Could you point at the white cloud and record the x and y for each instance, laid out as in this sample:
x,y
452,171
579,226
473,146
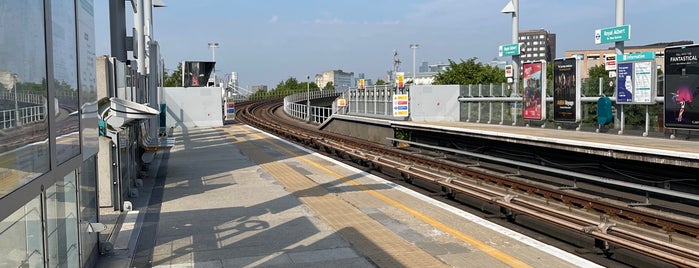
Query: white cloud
x,y
389,22
274,19
328,21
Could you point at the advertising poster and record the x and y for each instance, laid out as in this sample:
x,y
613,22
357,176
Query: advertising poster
x,y
682,87
534,99
196,73
624,81
566,90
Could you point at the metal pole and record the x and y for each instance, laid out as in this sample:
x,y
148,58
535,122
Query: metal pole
x,y
515,39
619,47
140,37
414,47
308,98
213,47
645,134
18,121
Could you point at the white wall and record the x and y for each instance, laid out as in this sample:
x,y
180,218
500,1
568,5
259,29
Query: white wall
x,y
435,103
193,106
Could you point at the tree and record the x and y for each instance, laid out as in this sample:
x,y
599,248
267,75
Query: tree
x,y
329,86
469,72
175,79
380,82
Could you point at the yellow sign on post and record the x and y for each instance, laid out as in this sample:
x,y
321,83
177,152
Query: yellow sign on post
x,y
341,102
400,79
361,84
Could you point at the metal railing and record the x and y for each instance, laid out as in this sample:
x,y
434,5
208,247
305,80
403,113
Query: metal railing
x,y
21,115
295,106
497,104
373,100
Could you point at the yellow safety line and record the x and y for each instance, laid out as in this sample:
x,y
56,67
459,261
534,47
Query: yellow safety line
x,y
496,253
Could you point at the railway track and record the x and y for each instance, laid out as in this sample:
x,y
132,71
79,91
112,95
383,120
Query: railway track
x,y
663,236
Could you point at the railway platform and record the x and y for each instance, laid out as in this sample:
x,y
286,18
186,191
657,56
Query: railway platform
x,y
237,197
677,152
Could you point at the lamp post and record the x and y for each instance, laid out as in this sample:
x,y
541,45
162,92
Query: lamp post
x,y
414,47
308,98
513,8
213,47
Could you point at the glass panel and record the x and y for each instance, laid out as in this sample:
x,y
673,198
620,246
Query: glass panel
x,y
21,239
88,209
24,148
65,68
62,223
88,79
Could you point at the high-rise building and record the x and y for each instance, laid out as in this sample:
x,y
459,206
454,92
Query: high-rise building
x,y
340,79
257,88
538,45
423,67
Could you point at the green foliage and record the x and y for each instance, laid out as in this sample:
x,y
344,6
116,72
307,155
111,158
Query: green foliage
x,y
469,72
329,86
285,88
175,79
380,82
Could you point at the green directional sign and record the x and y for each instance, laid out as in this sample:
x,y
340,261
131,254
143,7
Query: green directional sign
x,y
638,56
613,34
508,50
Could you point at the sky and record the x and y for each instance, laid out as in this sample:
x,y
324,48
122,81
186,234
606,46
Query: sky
x,y
268,41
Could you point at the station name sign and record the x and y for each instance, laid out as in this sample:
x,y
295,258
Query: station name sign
x,y
613,34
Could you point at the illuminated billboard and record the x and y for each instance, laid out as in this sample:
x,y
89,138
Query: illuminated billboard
x,y
534,95
196,73
682,87
566,90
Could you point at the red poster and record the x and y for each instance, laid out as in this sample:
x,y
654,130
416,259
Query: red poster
x,y
534,100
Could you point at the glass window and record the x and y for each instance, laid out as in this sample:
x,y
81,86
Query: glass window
x,y
24,148
88,78
542,36
62,223
21,239
65,69
88,209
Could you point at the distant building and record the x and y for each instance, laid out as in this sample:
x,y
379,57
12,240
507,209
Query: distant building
x,y
439,67
423,67
538,45
257,88
591,58
341,80
498,63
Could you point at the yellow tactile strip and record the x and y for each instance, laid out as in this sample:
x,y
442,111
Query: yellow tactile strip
x,y
374,240
484,247
383,247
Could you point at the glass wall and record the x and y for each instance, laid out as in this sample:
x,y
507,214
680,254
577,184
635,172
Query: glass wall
x,y
88,78
87,181
62,222
24,148
65,69
21,242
